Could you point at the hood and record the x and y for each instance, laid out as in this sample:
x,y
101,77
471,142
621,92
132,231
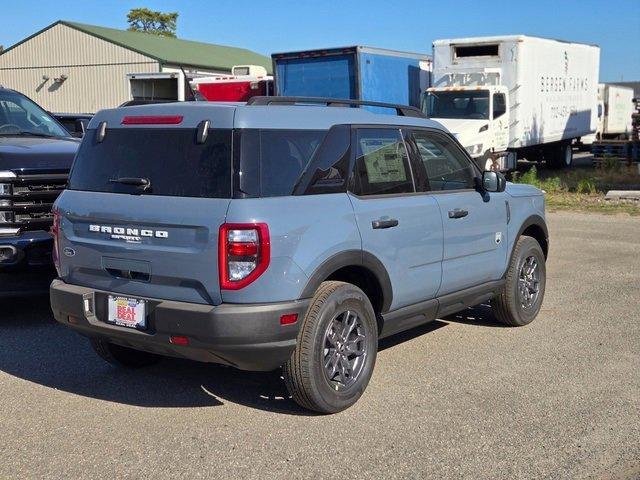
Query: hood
x,y
462,126
37,154
522,190
468,133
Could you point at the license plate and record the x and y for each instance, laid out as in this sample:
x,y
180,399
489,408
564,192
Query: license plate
x,y
127,312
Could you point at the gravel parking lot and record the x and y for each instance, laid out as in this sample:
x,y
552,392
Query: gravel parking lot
x,y
459,398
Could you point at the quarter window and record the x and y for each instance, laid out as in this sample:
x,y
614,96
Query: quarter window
x,y
445,166
382,165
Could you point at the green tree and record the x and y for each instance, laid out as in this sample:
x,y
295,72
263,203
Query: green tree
x,y
149,21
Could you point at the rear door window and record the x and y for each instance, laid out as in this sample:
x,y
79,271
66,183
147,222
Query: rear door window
x,y
170,159
382,165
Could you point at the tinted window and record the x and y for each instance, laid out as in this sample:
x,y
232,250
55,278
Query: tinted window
x,y
271,162
499,105
19,115
446,167
169,158
328,170
381,163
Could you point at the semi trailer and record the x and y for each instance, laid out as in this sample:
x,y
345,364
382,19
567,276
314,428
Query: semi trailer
x,y
507,97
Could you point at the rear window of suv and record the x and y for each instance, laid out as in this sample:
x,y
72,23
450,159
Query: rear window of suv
x,y
170,159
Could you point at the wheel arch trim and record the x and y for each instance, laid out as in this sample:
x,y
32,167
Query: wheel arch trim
x,y
350,258
532,220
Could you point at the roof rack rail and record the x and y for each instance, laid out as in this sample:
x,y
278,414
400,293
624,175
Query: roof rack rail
x,y
401,110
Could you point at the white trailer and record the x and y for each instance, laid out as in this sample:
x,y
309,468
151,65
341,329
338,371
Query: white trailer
x,y
618,109
507,97
615,110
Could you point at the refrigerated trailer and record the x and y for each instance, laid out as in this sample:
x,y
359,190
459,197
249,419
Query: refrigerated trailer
x,y
356,73
507,97
615,110
618,110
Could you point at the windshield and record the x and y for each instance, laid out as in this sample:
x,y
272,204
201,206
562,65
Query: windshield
x,y
20,116
472,104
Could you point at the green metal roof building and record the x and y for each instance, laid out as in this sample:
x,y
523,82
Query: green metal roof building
x,y
74,67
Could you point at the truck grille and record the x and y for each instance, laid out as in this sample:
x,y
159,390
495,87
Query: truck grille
x,y
27,203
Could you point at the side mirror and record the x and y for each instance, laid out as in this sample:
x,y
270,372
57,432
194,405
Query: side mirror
x,y
493,181
81,126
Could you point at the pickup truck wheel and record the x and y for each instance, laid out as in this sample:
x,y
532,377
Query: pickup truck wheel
x,y
336,349
521,297
122,356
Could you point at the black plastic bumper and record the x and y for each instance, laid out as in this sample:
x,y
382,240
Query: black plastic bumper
x,y
248,337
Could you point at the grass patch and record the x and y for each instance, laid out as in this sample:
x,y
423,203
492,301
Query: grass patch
x,y
584,189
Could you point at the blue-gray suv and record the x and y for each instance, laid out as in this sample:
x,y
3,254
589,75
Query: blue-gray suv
x,y
286,232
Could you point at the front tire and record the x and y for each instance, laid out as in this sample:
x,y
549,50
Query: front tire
x,y
521,297
336,349
122,356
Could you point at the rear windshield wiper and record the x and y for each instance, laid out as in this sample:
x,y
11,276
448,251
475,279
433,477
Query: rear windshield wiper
x,y
144,183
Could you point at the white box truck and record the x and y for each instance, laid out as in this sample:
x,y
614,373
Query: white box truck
x,y
618,107
507,97
615,110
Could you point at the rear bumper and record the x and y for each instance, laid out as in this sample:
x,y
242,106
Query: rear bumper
x,y
248,337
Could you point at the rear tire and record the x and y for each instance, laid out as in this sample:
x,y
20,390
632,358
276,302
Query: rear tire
x,y
336,349
521,297
559,156
122,356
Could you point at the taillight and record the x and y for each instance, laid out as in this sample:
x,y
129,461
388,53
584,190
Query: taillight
x,y
244,253
55,231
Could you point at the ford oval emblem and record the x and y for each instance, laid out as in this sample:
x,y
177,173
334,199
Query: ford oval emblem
x,y
69,252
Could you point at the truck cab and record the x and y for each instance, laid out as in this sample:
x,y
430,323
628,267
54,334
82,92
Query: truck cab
x,y
36,153
477,115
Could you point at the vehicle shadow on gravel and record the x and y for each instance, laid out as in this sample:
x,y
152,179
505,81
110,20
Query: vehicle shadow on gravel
x,y
35,348
480,315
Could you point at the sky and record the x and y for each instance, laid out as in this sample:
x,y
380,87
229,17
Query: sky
x,y
411,25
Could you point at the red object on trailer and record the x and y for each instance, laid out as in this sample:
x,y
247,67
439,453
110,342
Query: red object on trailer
x,y
252,81
232,91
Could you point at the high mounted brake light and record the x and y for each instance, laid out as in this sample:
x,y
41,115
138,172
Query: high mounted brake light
x,y
244,253
152,120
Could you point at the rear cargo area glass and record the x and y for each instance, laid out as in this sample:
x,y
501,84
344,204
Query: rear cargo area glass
x,y
170,159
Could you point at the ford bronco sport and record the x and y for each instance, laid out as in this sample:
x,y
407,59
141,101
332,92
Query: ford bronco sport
x,y
36,153
284,233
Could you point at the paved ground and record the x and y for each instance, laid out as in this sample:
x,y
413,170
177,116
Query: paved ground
x,y
461,398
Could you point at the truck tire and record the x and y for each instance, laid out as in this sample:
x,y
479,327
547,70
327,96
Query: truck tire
x,y
122,356
521,297
559,156
336,349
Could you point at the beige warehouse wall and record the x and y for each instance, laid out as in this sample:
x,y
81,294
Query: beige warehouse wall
x,y
96,70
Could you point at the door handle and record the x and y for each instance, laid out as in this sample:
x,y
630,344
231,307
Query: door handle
x,y
386,223
458,213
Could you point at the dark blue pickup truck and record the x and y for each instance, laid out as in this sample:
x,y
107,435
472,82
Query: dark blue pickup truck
x,y
36,153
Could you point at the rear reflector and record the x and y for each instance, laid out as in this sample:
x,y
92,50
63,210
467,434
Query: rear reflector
x,y
179,340
152,120
289,319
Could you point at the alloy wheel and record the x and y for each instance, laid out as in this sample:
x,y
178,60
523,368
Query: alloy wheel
x,y
345,349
